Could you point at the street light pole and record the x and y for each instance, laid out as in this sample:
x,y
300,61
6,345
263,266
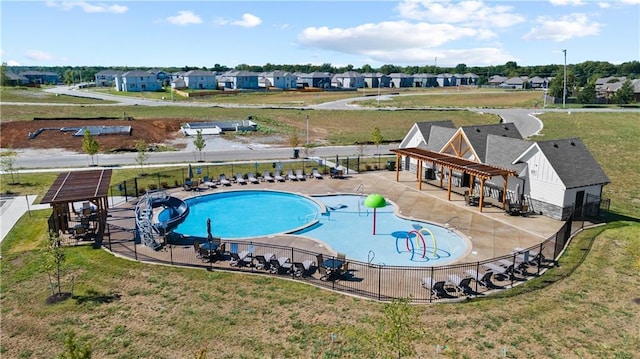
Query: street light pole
x,y
564,87
379,81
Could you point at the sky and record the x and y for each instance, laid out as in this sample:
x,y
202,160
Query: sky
x,y
348,32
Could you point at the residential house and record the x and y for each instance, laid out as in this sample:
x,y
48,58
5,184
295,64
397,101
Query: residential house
x,y
278,79
199,80
399,79
468,79
137,81
14,79
238,80
106,78
520,82
41,78
538,82
349,79
447,79
496,80
424,80
376,80
315,79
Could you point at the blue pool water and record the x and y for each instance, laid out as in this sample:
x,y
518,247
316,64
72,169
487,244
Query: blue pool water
x,y
346,226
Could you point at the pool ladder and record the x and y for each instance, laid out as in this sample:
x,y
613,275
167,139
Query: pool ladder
x,y
448,225
370,257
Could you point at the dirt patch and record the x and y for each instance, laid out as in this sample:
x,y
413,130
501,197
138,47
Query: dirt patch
x,y
153,131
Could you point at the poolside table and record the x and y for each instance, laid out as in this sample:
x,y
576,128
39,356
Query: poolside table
x,y
210,246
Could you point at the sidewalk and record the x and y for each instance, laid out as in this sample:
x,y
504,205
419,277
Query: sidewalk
x,y
12,208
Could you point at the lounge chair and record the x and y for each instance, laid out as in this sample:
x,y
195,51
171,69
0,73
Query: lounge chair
x,y
291,176
240,259
208,182
281,265
463,285
240,179
300,176
278,176
224,181
261,262
303,269
437,287
484,279
205,254
252,178
267,176
316,174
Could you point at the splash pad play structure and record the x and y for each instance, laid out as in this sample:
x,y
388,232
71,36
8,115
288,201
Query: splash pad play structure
x,y
420,248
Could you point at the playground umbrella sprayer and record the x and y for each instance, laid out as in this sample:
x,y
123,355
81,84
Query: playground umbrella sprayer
x,y
375,201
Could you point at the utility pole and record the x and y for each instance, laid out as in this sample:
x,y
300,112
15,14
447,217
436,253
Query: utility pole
x,y
564,87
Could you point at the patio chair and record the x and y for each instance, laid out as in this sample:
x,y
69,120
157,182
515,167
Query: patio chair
x,y
267,176
240,259
316,174
278,176
300,176
240,179
196,248
205,254
291,176
208,182
224,181
252,178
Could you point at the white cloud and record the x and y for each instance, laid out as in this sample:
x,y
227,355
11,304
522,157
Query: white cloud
x,y
89,7
13,63
248,20
386,36
567,2
563,28
38,55
184,17
472,56
475,13
604,5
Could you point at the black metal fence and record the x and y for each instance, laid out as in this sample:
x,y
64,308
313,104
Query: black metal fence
x,y
374,281
175,177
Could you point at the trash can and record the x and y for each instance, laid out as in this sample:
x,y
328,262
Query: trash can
x,y
429,174
296,153
391,165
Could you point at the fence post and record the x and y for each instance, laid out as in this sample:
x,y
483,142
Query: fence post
x,y
379,282
170,253
430,284
135,249
293,269
135,185
125,192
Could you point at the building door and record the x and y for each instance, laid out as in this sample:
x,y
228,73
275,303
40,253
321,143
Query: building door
x,y
579,199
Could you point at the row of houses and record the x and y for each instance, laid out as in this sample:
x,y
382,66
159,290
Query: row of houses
x,y
32,77
156,80
553,177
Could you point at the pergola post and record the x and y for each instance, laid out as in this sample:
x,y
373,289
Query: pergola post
x,y
420,175
504,191
481,204
449,184
398,158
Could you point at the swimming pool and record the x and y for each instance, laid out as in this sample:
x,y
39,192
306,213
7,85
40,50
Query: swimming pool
x,y
340,221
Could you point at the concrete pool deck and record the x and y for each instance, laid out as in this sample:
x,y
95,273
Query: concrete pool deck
x,y
492,233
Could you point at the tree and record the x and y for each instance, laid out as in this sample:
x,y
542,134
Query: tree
x,y
7,163
588,93
3,73
376,138
199,142
53,263
624,94
73,349
395,332
143,154
90,146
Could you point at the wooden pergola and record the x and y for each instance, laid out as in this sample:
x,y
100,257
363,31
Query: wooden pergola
x,y
79,186
451,163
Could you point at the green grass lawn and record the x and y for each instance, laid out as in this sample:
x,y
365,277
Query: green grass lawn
x,y
589,307
36,95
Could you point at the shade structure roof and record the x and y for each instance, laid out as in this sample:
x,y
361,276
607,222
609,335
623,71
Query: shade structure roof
x,y
456,163
78,186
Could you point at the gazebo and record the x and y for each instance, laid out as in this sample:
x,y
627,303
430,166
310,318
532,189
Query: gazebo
x,y
89,189
451,163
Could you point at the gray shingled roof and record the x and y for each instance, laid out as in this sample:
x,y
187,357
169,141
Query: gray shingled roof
x,y
439,136
477,135
573,162
502,151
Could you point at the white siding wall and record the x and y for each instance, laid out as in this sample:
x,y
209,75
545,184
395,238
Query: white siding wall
x,y
544,182
570,195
